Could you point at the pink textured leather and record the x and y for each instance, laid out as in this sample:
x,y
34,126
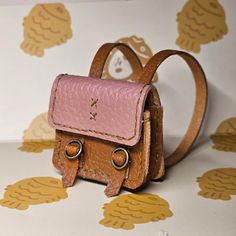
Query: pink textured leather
x,y
107,109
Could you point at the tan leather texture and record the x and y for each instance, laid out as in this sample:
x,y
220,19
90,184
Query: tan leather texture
x,y
96,162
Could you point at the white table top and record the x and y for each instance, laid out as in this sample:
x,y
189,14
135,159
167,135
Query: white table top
x,y
80,213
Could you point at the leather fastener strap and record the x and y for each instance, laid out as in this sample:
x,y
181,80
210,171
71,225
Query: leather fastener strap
x,y
72,152
120,162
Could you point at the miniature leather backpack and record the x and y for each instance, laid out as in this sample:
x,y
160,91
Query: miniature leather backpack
x,y
110,131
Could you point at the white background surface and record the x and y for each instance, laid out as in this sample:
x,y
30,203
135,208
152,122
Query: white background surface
x,y
26,81
25,84
80,213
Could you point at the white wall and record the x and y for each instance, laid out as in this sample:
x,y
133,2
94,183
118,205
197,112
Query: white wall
x,y
25,81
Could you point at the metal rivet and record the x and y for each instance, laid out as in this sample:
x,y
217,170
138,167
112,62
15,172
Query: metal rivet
x,y
126,158
80,148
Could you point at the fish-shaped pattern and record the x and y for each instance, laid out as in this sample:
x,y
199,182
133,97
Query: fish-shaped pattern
x,y
127,210
39,135
117,66
46,25
200,22
224,138
218,183
33,191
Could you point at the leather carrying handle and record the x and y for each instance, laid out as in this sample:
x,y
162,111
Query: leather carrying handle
x,y
200,99
102,54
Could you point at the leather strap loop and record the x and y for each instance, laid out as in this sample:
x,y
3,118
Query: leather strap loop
x,y
102,54
146,76
200,100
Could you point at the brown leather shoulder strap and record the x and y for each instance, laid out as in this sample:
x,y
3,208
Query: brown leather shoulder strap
x,y
102,54
200,100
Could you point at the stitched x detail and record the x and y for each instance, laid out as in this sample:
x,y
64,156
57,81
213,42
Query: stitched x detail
x,y
94,102
93,115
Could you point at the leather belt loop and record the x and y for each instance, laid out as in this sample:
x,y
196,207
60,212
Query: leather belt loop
x,y
200,100
102,54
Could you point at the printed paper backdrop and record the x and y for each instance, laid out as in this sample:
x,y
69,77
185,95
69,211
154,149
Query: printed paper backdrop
x,y
41,40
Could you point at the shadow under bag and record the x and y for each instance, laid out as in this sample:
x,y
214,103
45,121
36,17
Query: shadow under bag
x,y
110,131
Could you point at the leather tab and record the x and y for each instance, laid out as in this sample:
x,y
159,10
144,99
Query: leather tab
x,y
69,167
70,170
115,183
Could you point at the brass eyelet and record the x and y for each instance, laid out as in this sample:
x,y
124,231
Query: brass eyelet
x,y
127,157
77,153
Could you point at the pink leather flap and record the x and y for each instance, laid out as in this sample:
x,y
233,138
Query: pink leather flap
x,y
107,109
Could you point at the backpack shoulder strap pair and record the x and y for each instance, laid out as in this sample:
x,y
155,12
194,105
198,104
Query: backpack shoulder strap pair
x,y
145,75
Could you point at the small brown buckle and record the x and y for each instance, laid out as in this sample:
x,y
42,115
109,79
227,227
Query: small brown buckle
x,y
73,149
125,161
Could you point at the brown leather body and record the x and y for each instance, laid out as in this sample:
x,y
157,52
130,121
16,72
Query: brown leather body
x,y
146,158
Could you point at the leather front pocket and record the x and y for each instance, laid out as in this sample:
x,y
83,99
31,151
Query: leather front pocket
x,y
95,163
